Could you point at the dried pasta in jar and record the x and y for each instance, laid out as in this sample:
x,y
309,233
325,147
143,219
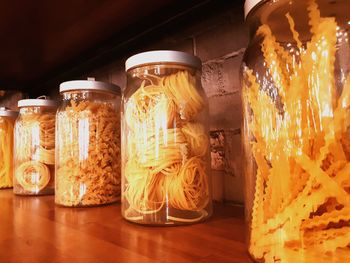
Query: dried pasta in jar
x,y
88,144
34,151
7,121
165,145
296,101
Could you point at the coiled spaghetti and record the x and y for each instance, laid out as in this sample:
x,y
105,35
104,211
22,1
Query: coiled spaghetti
x,y
35,152
165,167
33,176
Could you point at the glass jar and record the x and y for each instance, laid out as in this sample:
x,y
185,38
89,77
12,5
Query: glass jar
x,y
88,144
296,98
165,140
34,151
7,121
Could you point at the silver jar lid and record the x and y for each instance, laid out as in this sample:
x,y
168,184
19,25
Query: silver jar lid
x,y
42,101
90,84
249,5
162,56
6,112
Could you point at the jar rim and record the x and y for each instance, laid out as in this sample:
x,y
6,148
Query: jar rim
x,y
249,5
89,85
6,112
162,56
36,103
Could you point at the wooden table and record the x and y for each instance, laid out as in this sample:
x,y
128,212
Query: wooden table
x,y
33,229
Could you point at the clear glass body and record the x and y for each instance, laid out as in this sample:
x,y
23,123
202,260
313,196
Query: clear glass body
x,y
296,98
165,147
34,151
88,149
6,151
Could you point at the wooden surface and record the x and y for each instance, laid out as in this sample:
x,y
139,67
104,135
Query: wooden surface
x,y
33,229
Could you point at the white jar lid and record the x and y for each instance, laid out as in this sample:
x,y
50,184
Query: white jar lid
x,y
162,56
5,112
37,103
89,84
249,5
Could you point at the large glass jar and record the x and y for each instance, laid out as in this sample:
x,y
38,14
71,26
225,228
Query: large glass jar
x,y
88,144
34,151
7,121
296,98
165,143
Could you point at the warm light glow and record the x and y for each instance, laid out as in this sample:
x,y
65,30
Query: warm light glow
x,y
83,137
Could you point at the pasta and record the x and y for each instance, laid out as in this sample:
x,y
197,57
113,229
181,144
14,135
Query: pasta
x,y
301,202
35,152
88,154
6,152
33,176
165,168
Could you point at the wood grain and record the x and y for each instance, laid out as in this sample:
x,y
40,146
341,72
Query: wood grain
x,y
33,229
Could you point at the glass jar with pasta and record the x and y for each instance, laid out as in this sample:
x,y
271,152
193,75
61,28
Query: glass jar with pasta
x,y
34,151
7,121
165,143
296,102
88,144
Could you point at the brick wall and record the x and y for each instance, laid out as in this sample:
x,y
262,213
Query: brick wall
x,y
219,40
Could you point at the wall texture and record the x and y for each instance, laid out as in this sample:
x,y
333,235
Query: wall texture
x,y
219,40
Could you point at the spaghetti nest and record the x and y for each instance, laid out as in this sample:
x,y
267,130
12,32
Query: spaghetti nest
x,y
6,152
35,151
300,209
33,176
88,154
167,150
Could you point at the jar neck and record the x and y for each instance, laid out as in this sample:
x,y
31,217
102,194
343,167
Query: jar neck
x,y
273,14
88,95
31,110
148,71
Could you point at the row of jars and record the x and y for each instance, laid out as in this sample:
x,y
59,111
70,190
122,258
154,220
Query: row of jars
x,y
156,160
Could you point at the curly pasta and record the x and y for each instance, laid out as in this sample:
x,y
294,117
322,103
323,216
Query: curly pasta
x,y
165,166
88,154
305,213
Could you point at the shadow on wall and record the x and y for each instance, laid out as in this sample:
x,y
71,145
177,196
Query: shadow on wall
x,y
9,98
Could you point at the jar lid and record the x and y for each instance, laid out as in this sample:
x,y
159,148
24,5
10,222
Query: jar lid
x,y
6,112
41,101
89,84
249,5
162,56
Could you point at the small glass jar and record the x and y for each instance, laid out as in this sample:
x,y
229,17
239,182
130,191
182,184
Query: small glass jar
x,y
34,151
296,100
7,121
88,144
165,141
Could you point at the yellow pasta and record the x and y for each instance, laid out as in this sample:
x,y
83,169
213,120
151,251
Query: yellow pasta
x,y
181,89
300,145
32,176
166,150
197,138
35,152
6,152
188,190
88,154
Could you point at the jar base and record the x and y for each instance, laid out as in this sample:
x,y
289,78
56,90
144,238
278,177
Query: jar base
x,y
167,220
115,201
